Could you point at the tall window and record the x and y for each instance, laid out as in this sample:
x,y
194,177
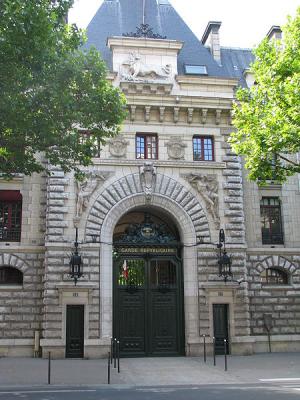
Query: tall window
x,y
10,215
146,146
10,276
274,276
203,148
271,224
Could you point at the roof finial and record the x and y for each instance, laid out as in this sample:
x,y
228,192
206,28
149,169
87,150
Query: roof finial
x,y
144,11
144,30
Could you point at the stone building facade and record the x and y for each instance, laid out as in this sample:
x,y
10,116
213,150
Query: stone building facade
x,y
149,214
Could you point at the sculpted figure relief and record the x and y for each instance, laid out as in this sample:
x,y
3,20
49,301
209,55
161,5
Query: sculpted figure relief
x,y
86,188
136,68
207,187
118,146
148,179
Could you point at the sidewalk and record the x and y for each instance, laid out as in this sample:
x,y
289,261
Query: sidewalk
x,y
151,371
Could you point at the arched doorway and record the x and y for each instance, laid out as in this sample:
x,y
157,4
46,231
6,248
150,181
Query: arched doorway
x,y
148,285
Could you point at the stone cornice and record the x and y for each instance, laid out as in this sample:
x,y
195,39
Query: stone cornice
x,y
267,251
168,163
111,76
143,99
146,43
17,178
13,248
146,87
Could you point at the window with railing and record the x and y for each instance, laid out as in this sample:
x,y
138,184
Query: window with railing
x,y
274,276
146,146
271,223
10,215
203,148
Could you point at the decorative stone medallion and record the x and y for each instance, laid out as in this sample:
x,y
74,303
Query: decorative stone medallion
x,y
118,146
175,148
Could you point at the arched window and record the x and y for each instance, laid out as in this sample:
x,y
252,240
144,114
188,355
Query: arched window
x,y
10,276
274,276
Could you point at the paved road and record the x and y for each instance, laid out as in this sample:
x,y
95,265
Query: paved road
x,y
275,390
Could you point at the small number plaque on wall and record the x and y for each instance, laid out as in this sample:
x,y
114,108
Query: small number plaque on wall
x,y
75,294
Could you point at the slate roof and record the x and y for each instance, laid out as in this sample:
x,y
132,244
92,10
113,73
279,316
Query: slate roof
x,y
115,17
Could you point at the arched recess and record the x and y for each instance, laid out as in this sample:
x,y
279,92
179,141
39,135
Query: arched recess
x,y
275,262
190,220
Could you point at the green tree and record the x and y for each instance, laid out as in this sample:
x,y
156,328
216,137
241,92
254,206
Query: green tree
x,y
267,116
49,88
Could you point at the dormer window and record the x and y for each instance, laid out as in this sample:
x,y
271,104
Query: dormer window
x,y
195,69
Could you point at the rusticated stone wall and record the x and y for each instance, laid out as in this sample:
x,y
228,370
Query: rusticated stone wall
x,y
21,305
281,301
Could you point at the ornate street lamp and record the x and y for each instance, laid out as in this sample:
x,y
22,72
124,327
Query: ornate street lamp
x,y
75,262
224,260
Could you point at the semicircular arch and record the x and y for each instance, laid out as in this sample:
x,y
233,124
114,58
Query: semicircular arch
x,y
11,260
275,262
167,192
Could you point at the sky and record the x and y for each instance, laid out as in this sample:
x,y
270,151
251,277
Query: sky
x,y
244,23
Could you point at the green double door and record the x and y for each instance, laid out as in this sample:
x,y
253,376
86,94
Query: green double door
x,y
148,306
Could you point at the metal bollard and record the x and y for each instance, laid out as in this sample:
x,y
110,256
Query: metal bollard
x,y
49,368
225,354
118,355
111,349
214,350
204,348
115,353
108,368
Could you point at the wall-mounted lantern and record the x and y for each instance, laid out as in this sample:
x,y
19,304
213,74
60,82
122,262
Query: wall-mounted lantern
x,y
76,262
224,260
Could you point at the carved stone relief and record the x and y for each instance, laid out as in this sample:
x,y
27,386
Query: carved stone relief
x,y
176,114
204,115
134,69
118,146
218,116
85,189
207,187
190,115
175,148
148,179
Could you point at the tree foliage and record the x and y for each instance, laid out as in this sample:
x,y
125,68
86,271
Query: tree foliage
x,y
267,116
49,88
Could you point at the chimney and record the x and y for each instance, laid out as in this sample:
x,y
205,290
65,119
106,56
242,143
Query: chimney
x,y
212,39
275,33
